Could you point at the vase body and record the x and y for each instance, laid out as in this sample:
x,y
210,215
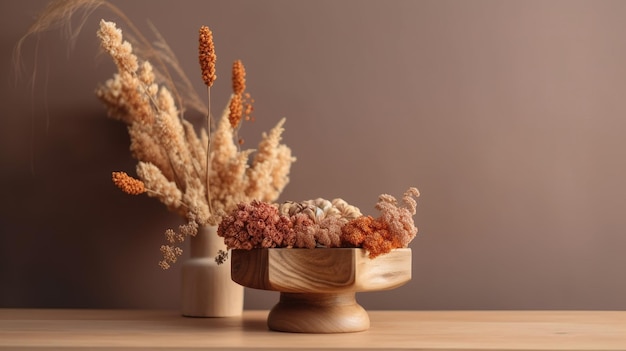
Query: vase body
x,y
207,288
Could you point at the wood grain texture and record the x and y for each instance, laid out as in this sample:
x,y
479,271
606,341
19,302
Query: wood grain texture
x,y
318,313
317,286
320,270
107,330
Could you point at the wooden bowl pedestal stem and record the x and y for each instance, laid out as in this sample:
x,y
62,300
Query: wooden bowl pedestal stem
x,y
318,313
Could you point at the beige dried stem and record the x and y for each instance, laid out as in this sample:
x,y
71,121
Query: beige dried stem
x,y
175,164
59,14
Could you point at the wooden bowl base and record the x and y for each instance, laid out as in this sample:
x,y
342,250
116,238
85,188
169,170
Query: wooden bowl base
x,y
318,313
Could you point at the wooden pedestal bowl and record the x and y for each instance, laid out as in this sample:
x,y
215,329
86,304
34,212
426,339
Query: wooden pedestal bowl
x,y
317,286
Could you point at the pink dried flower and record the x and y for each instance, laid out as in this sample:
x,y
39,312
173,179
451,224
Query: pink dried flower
x,y
304,238
255,225
399,219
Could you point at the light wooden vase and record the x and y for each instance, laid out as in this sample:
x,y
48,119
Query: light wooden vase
x,y
207,288
317,286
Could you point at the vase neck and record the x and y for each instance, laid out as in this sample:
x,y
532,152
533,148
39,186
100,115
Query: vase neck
x,y
206,243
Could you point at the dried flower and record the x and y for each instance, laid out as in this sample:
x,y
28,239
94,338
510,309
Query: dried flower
x,y
159,136
175,164
393,229
239,77
159,186
262,225
171,251
128,184
221,257
399,219
322,223
240,103
235,108
206,55
170,255
121,51
370,234
256,224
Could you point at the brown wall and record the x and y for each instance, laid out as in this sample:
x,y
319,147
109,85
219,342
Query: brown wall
x,y
507,115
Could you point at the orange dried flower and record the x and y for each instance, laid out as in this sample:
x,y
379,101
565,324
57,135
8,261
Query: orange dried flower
x,y
239,77
128,184
206,55
369,233
236,111
241,104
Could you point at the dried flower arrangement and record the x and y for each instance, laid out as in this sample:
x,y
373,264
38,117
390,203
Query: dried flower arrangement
x,y
321,223
206,177
201,177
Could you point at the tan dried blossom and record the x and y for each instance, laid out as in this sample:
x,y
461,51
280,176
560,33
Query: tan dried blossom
x,y
204,174
160,187
128,184
170,255
206,55
346,210
171,252
145,147
195,198
171,236
318,222
121,51
320,209
196,147
270,166
171,138
128,98
146,76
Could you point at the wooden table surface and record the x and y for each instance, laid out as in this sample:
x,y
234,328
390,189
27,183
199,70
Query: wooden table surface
x,y
33,329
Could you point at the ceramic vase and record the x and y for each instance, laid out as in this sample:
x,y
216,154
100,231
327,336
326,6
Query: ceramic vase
x,y
207,288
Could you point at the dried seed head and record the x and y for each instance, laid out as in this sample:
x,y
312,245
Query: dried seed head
x,y
236,110
239,77
128,184
206,55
